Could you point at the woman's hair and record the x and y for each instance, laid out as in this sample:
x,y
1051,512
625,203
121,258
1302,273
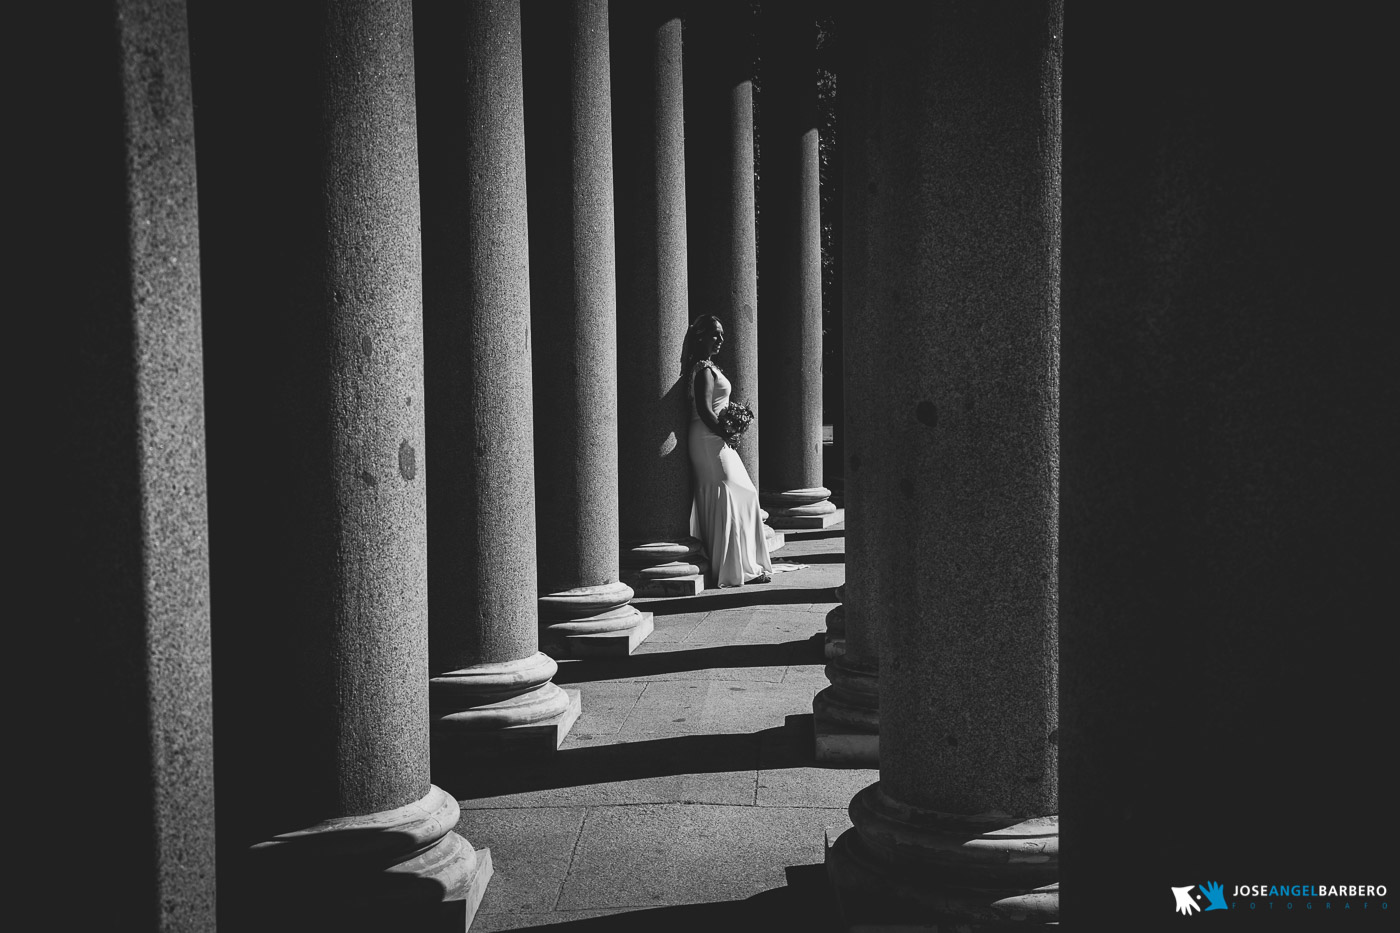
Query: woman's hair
x,y
703,325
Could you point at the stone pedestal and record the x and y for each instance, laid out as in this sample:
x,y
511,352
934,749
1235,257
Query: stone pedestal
x,y
802,508
128,587
911,870
502,707
963,264
583,608
594,620
318,499
666,568
337,854
488,673
659,555
791,339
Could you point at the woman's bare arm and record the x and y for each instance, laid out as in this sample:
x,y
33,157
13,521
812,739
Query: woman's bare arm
x,y
705,399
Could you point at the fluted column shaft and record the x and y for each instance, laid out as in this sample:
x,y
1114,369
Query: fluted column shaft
x,y
488,672
791,339
584,607
649,196
963,265
314,312
135,566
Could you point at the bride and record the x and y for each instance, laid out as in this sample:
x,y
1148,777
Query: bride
x,y
725,516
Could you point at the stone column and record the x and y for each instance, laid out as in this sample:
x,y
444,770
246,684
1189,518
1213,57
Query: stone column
x,y
791,338
584,608
491,685
723,260
1227,482
963,267
317,487
134,596
847,714
659,555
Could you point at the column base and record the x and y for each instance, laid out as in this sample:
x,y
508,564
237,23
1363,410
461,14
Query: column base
x,y
692,585
802,508
401,869
517,741
906,870
835,644
608,644
845,746
461,913
846,717
794,522
592,621
665,568
506,707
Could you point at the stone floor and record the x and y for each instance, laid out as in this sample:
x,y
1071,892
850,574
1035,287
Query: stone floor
x,y
686,795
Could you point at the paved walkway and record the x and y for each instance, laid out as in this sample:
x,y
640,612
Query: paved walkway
x,y
686,796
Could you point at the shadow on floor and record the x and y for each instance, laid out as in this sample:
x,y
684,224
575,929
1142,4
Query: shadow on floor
x,y
586,670
739,598
786,746
805,903
603,764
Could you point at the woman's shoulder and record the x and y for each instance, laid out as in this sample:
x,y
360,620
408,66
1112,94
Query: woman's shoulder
x,y
702,366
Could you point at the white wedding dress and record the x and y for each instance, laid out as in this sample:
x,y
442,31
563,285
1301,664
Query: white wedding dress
x,y
724,515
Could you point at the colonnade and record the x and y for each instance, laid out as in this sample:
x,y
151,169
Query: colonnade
x,y
305,310
447,258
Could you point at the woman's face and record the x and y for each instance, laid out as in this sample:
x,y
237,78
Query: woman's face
x,y
712,341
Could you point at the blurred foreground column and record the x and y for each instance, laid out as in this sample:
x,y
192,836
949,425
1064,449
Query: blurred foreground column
x,y
584,608
135,558
1227,486
964,272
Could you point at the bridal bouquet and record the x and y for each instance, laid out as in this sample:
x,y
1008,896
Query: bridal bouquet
x,y
735,419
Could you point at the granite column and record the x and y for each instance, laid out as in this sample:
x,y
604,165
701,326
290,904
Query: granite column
x,y
791,274
1227,485
318,502
847,714
722,237
659,554
584,608
133,556
492,687
963,265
